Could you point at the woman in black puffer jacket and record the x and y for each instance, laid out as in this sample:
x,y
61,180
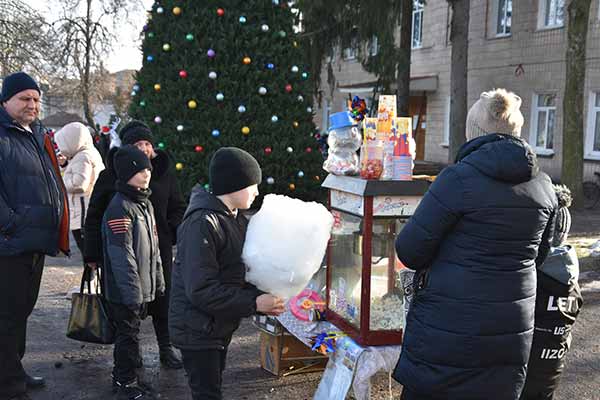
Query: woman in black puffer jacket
x,y
475,241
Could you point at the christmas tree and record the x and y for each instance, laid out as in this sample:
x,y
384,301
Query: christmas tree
x,y
230,73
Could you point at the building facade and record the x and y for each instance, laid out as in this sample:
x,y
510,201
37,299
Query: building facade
x,y
518,45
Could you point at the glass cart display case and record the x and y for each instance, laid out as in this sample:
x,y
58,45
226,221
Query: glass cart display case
x,y
364,292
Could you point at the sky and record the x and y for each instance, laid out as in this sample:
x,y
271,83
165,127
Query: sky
x,y
126,53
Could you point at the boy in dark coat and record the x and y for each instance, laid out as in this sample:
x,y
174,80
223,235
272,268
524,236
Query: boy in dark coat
x,y
169,207
557,305
209,296
133,274
475,240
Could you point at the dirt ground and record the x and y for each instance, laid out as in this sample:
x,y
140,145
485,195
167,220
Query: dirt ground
x,y
77,371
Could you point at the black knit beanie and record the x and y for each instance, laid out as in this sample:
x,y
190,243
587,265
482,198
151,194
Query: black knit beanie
x,y
135,131
232,169
16,83
128,161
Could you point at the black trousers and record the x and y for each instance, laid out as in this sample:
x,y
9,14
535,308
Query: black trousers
x,y
127,343
205,371
20,278
159,308
78,235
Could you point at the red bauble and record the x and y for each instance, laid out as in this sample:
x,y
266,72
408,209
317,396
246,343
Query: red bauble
x,y
198,149
288,88
105,129
309,149
268,150
220,12
183,73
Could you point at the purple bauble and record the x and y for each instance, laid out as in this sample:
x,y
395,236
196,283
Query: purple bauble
x,y
210,53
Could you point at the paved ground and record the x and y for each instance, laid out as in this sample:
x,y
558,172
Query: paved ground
x,y
75,371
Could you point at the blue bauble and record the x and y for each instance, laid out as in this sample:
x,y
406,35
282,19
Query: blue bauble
x,y
150,58
216,132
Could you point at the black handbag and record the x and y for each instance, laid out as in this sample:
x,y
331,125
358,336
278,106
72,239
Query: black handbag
x,y
89,320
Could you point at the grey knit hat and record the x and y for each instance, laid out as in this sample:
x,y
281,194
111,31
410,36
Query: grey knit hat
x,y
562,220
496,111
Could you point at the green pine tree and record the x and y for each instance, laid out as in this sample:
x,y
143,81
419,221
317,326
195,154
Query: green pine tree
x,y
230,73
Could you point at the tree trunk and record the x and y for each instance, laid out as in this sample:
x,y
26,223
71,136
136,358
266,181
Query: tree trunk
x,y
85,81
578,14
459,37
404,53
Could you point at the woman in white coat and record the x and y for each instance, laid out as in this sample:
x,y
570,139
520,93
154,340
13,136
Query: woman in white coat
x,y
83,166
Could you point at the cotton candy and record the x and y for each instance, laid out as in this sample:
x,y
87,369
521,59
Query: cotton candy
x,y
285,244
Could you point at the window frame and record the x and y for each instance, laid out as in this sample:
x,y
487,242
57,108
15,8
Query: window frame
x,y
592,120
418,8
543,9
496,20
535,110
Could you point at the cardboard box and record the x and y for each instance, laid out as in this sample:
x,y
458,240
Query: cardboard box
x,y
386,113
267,324
284,355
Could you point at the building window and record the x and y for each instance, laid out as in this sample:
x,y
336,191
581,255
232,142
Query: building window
x,y
446,137
592,142
373,46
351,52
503,17
552,13
417,24
543,122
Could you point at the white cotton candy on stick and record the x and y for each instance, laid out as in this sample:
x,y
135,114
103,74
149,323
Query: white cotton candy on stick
x,y
285,244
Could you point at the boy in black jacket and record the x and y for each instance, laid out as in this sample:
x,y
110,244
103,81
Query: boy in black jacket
x,y
133,274
209,295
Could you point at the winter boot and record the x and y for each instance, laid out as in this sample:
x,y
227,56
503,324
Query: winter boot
x,y
169,358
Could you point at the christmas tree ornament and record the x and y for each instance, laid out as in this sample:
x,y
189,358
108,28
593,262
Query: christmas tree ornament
x,y
305,75
145,28
295,69
220,97
247,60
157,120
215,133
166,47
276,2
176,10
160,10
241,109
211,53
179,128
133,93
245,130
271,66
192,104
198,149
289,150
288,88
309,149
179,166
268,150
149,58
300,98
206,186
317,178
157,87
296,124
270,180
142,103
212,75
136,87
274,118
300,174
183,74
242,20
161,145
264,28
150,35
308,109
220,12
282,34
262,90
292,187
189,37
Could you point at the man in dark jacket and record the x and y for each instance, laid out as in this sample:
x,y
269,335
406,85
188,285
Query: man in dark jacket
x,y
209,296
475,241
132,266
169,207
34,221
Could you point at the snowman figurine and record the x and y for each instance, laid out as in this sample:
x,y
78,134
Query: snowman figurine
x,y
344,140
